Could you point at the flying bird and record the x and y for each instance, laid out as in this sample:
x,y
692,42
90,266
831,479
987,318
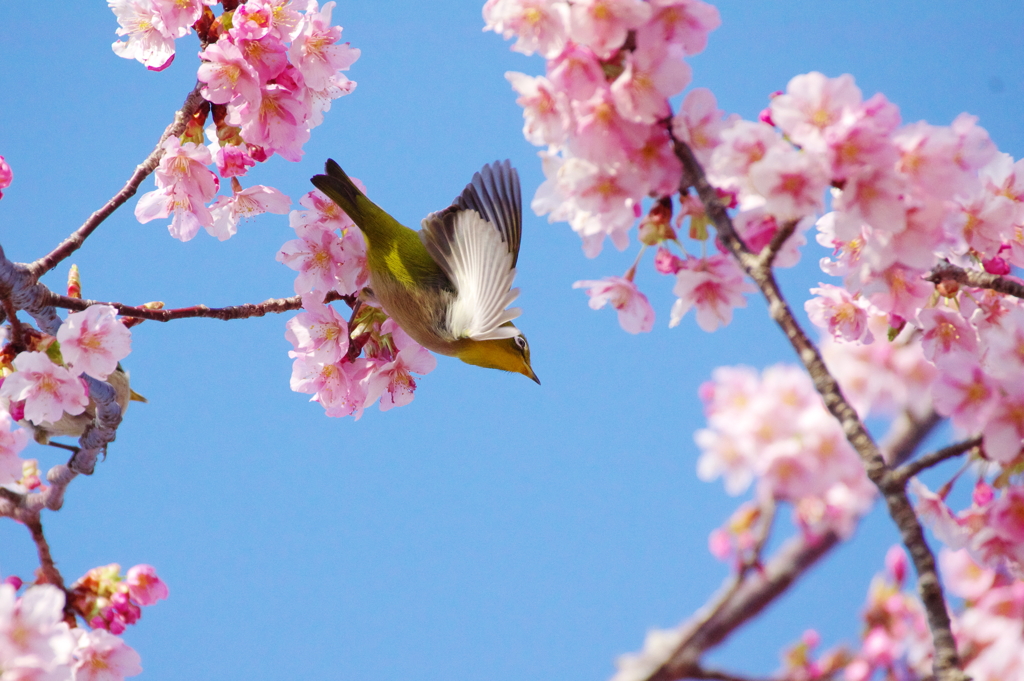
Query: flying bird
x,y
449,286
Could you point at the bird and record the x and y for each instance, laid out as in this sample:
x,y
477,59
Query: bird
x,y
74,425
448,285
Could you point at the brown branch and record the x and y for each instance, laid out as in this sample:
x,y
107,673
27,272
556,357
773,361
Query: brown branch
x,y
48,572
947,661
40,267
902,474
949,272
741,600
245,311
17,337
717,675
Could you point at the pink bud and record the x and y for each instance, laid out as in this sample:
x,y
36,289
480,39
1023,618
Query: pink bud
x,y
896,563
766,116
17,410
811,638
14,581
719,544
983,494
996,265
667,262
6,175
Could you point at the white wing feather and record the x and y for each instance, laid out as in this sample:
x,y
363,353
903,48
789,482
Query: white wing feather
x,y
480,266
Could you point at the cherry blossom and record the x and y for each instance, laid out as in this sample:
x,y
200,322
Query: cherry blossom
x,y
545,110
228,74
6,176
314,51
104,657
714,286
392,381
539,25
48,390
94,341
150,41
635,313
144,586
11,444
602,25
244,203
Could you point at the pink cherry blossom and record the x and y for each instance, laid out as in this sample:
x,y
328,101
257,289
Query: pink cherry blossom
x,y
649,78
842,314
963,576
539,25
314,51
792,182
714,285
284,19
233,161
545,109
11,443
965,393
699,123
577,72
184,167
94,341
189,212
320,331
743,144
1004,430
48,390
657,167
144,586
602,135
6,176
602,25
268,54
316,255
757,228
227,74
149,40
322,211
635,312
897,289
985,221
812,103
279,122
392,382
874,196
34,640
244,204
682,22
104,657
945,331
933,511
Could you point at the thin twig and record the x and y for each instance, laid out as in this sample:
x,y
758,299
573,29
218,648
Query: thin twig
x,y
40,267
717,675
245,311
48,571
949,272
909,470
947,660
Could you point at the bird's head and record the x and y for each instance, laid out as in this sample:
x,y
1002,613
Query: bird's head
x,y
507,354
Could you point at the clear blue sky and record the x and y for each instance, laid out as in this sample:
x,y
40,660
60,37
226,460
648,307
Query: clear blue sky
x,y
493,529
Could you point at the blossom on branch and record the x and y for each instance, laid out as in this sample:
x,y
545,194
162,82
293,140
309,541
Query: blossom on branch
x,y
94,341
48,391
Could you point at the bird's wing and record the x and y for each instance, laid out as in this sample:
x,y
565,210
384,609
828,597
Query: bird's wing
x,y
476,242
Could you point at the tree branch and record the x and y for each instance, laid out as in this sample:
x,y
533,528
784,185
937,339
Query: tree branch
x,y
949,272
48,572
947,661
739,600
245,311
40,267
904,473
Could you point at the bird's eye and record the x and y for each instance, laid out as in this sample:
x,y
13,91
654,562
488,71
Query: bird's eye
x,y
520,342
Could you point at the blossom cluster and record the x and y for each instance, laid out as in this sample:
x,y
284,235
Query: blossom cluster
x,y
43,385
773,427
345,365
37,641
989,628
270,69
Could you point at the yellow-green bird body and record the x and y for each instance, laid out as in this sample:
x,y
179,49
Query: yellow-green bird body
x,y
448,285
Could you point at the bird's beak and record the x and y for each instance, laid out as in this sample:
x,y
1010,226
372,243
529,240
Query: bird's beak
x,y
529,374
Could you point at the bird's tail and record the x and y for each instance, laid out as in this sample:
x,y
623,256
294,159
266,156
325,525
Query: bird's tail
x,y
340,188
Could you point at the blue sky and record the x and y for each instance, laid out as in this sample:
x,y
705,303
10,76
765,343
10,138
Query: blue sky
x,y
493,528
